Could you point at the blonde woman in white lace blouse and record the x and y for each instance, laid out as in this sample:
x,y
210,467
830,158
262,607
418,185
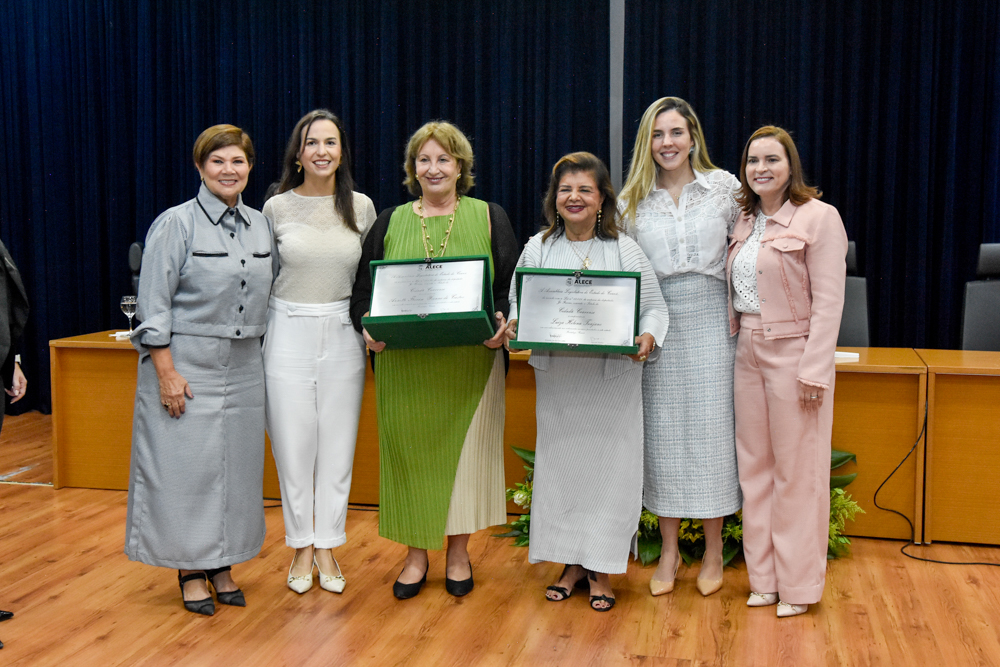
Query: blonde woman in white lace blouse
x,y
680,208
314,360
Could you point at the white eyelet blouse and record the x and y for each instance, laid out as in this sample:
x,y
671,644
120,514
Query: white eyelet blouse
x,y
745,296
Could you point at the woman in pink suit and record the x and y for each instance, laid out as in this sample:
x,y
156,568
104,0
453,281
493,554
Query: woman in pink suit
x,y
786,272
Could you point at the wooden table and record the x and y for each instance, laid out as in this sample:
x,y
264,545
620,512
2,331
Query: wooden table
x,y
93,396
93,390
93,393
878,412
878,409
963,446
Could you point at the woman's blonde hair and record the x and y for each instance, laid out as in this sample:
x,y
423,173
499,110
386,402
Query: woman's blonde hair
x,y
453,141
642,172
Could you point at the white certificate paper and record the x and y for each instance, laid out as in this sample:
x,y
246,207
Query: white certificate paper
x,y
571,310
428,287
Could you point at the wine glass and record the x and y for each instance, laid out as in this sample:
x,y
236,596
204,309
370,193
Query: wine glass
x,y
128,307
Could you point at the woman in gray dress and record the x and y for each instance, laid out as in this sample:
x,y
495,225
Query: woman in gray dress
x,y
197,467
587,492
679,207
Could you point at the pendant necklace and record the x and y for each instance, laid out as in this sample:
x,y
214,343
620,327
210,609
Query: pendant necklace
x,y
585,259
428,245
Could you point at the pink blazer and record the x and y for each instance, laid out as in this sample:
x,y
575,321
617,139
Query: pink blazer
x,y
801,272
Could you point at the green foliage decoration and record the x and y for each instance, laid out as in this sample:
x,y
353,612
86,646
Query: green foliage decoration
x,y
691,536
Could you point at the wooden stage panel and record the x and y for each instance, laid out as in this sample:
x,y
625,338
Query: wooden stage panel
x,y
878,408
875,418
93,390
519,422
878,414
963,447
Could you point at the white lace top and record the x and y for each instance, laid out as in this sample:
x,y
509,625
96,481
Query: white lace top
x,y
745,296
318,254
689,237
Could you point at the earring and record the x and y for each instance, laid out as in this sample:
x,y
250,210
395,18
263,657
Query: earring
x,y
299,170
599,216
691,152
559,220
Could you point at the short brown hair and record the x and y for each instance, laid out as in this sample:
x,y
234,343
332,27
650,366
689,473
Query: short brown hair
x,y
591,164
797,191
220,136
453,141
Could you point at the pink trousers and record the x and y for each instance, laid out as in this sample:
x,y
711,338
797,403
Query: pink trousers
x,y
784,465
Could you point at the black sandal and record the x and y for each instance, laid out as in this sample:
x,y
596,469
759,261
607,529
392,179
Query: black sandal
x,y
565,593
232,598
600,598
204,607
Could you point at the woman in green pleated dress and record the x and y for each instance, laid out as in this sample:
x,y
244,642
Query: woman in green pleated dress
x,y
440,410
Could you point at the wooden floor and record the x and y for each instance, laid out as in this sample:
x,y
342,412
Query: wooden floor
x,y
79,601
26,449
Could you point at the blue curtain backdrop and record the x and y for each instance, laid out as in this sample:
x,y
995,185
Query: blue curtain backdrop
x,y
895,108
102,100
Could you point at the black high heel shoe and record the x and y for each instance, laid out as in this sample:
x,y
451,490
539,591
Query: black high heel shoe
x,y
204,607
564,593
406,591
594,599
459,588
232,598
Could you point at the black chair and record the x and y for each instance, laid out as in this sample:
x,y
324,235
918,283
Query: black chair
x,y
981,308
135,264
854,322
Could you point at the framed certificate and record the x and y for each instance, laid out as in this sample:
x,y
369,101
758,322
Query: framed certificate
x,y
585,311
440,302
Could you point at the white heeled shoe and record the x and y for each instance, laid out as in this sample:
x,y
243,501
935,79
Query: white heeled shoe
x,y
785,610
329,583
299,583
761,599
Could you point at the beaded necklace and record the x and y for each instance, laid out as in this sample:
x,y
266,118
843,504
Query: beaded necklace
x,y
428,246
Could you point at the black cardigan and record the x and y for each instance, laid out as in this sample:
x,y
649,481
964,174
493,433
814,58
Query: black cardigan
x,y
503,245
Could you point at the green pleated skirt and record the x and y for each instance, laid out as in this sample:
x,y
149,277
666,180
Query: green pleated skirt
x,y
440,411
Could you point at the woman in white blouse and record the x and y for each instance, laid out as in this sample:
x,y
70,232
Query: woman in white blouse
x,y
314,360
680,208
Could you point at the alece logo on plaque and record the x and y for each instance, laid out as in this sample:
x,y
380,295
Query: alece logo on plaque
x,y
428,287
577,310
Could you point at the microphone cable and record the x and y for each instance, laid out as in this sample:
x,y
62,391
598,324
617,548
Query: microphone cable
x,y
920,436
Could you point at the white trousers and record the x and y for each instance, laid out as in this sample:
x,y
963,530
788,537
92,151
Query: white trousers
x,y
314,370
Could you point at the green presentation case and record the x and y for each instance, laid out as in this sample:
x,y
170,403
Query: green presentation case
x,y
400,332
519,344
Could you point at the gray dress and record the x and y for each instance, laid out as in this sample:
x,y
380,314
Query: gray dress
x,y
587,492
690,469
195,483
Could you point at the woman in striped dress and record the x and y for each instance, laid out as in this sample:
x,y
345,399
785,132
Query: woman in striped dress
x,y
440,410
679,207
587,492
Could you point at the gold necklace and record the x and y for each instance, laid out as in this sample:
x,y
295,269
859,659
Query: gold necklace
x,y
584,259
428,246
